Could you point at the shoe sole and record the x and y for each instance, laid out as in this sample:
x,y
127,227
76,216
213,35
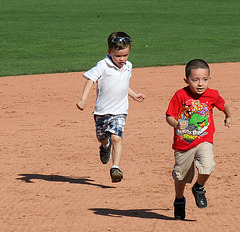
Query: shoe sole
x,y
178,218
116,176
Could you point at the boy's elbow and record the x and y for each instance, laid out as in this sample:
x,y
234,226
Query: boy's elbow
x,y
167,115
167,118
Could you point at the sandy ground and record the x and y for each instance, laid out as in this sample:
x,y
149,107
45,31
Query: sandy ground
x,y
52,178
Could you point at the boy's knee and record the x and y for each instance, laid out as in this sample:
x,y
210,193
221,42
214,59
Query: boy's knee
x,y
177,174
180,176
115,138
102,137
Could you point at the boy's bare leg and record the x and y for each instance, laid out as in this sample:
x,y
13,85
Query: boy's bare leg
x,y
115,173
117,149
179,189
202,178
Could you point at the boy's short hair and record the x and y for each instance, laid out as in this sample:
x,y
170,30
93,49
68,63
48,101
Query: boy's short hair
x,y
195,64
119,43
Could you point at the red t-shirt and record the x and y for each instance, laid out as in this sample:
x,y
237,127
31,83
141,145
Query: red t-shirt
x,y
196,110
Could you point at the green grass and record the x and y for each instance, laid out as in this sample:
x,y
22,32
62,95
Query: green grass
x,y
50,36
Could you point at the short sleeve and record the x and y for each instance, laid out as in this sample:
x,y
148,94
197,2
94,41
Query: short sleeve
x,y
174,106
96,72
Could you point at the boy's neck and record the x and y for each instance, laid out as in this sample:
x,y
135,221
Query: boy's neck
x,y
121,68
196,95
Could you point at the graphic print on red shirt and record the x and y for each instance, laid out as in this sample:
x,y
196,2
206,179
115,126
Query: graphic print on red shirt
x,y
196,114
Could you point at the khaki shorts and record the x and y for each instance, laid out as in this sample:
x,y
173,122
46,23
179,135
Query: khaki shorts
x,y
202,156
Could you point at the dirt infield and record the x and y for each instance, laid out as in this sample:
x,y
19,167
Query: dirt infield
x,y
52,178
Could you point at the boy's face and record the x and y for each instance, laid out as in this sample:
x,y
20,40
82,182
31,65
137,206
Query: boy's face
x,y
198,80
119,57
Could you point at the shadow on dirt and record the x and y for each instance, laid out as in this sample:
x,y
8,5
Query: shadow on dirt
x,y
84,180
138,213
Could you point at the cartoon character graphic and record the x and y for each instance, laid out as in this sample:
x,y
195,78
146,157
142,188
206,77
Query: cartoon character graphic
x,y
197,122
196,114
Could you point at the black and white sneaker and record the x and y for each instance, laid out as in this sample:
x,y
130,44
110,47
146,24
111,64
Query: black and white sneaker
x,y
200,198
105,153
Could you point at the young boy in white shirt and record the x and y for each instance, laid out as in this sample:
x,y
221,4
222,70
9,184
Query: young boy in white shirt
x,y
112,75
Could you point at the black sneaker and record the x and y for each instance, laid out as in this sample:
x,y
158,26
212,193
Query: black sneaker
x,y
116,174
179,209
105,154
200,198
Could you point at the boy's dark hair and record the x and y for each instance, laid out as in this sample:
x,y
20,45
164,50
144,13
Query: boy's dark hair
x,y
119,45
195,64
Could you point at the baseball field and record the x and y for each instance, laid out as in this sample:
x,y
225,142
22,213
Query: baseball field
x,y
52,179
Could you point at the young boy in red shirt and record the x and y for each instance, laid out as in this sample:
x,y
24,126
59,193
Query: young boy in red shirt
x,y
190,113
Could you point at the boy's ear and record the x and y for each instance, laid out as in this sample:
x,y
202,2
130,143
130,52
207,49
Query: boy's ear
x,y
186,80
108,51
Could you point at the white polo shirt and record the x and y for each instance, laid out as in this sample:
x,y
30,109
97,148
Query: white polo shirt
x,y
112,86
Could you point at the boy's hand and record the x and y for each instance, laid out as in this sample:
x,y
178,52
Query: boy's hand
x,y
181,125
81,105
228,121
139,97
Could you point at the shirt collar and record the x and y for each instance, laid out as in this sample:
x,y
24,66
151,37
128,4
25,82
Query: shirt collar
x,y
109,61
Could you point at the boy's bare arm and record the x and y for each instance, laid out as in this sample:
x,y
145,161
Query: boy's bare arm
x,y
228,118
181,125
136,96
83,101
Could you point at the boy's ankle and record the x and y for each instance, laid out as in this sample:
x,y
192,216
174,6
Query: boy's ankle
x,y
180,200
197,186
115,166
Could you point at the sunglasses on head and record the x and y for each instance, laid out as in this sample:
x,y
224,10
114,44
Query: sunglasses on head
x,y
120,39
